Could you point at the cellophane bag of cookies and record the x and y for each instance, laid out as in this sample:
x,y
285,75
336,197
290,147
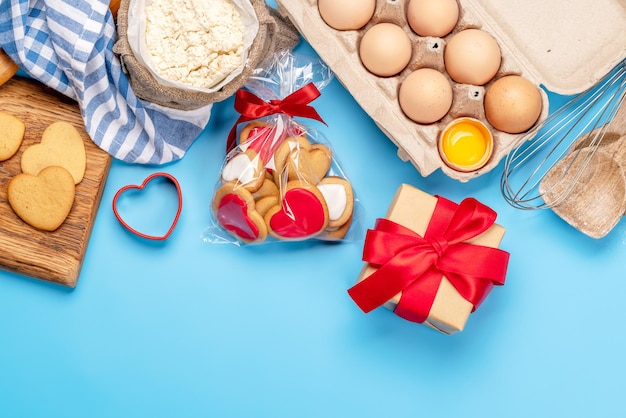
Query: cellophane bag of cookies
x,y
281,180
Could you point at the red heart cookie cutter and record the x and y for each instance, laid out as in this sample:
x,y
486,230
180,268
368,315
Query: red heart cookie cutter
x,y
140,187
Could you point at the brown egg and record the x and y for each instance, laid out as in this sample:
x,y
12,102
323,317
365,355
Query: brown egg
x,y
432,17
472,56
346,14
425,96
385,49
512,104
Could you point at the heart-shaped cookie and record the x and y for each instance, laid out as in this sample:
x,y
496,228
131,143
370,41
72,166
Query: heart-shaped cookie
x,y
235,211
268,188
336,234
142,186
298,159
264,204
244,169
338,194
261,137
302,212
265,138
43,200
11,135
61,145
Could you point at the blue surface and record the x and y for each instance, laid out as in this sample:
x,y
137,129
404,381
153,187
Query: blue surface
x,y
184,328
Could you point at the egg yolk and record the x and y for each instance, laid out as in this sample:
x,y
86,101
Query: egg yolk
x,y
466,145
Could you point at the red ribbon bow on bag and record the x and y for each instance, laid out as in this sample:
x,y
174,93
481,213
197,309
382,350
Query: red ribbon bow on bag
x,y
252,107
415,265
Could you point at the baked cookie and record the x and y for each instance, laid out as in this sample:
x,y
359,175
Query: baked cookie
x,y
264,204
244,169
235,210
337,192
297,159
282,154
61,145
12,132
268,188
300,213
252,131
44,200
265,138
262,138
336,234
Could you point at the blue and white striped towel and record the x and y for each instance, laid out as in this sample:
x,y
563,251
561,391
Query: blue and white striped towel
x,y
67,45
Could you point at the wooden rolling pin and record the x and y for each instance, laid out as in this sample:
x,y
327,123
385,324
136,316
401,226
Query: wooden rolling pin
x,y
8,68
114,5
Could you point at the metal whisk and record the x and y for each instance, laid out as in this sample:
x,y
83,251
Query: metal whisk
x,y
581,123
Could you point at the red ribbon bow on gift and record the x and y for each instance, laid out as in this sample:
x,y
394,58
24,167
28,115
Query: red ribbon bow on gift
x,y
415,265
252,107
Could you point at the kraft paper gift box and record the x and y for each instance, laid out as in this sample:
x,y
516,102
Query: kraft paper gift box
x,y
414,210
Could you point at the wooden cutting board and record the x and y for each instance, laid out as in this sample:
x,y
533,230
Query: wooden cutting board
x,y
52,256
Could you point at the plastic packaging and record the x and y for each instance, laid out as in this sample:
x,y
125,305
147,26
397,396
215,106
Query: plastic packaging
x,y
280,179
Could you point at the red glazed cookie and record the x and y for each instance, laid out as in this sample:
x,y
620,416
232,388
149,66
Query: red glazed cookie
x,y
253,130
262,138
244,169
298,159
235,210
301,213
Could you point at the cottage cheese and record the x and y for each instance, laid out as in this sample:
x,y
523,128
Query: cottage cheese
x,y
194,42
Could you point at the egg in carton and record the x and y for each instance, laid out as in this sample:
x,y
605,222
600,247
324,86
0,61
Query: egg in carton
x,y
420,141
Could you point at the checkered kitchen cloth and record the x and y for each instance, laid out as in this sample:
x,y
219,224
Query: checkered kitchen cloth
x,y
67,45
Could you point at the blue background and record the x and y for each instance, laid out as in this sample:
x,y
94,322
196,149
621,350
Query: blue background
x,y
185,328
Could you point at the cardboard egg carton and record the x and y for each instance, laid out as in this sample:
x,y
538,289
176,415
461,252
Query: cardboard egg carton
x,y
566,49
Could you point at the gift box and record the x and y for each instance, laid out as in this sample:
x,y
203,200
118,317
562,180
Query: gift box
x,y
430,260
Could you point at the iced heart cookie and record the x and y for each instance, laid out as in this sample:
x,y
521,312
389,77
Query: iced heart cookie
x,y
244,169
265,138
298,159
234,209
43,200
338,195
61,145
301,213
258,136
254,130
263,131
11,135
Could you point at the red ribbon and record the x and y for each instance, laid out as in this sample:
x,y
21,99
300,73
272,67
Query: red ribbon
x,y
252,107
415,265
